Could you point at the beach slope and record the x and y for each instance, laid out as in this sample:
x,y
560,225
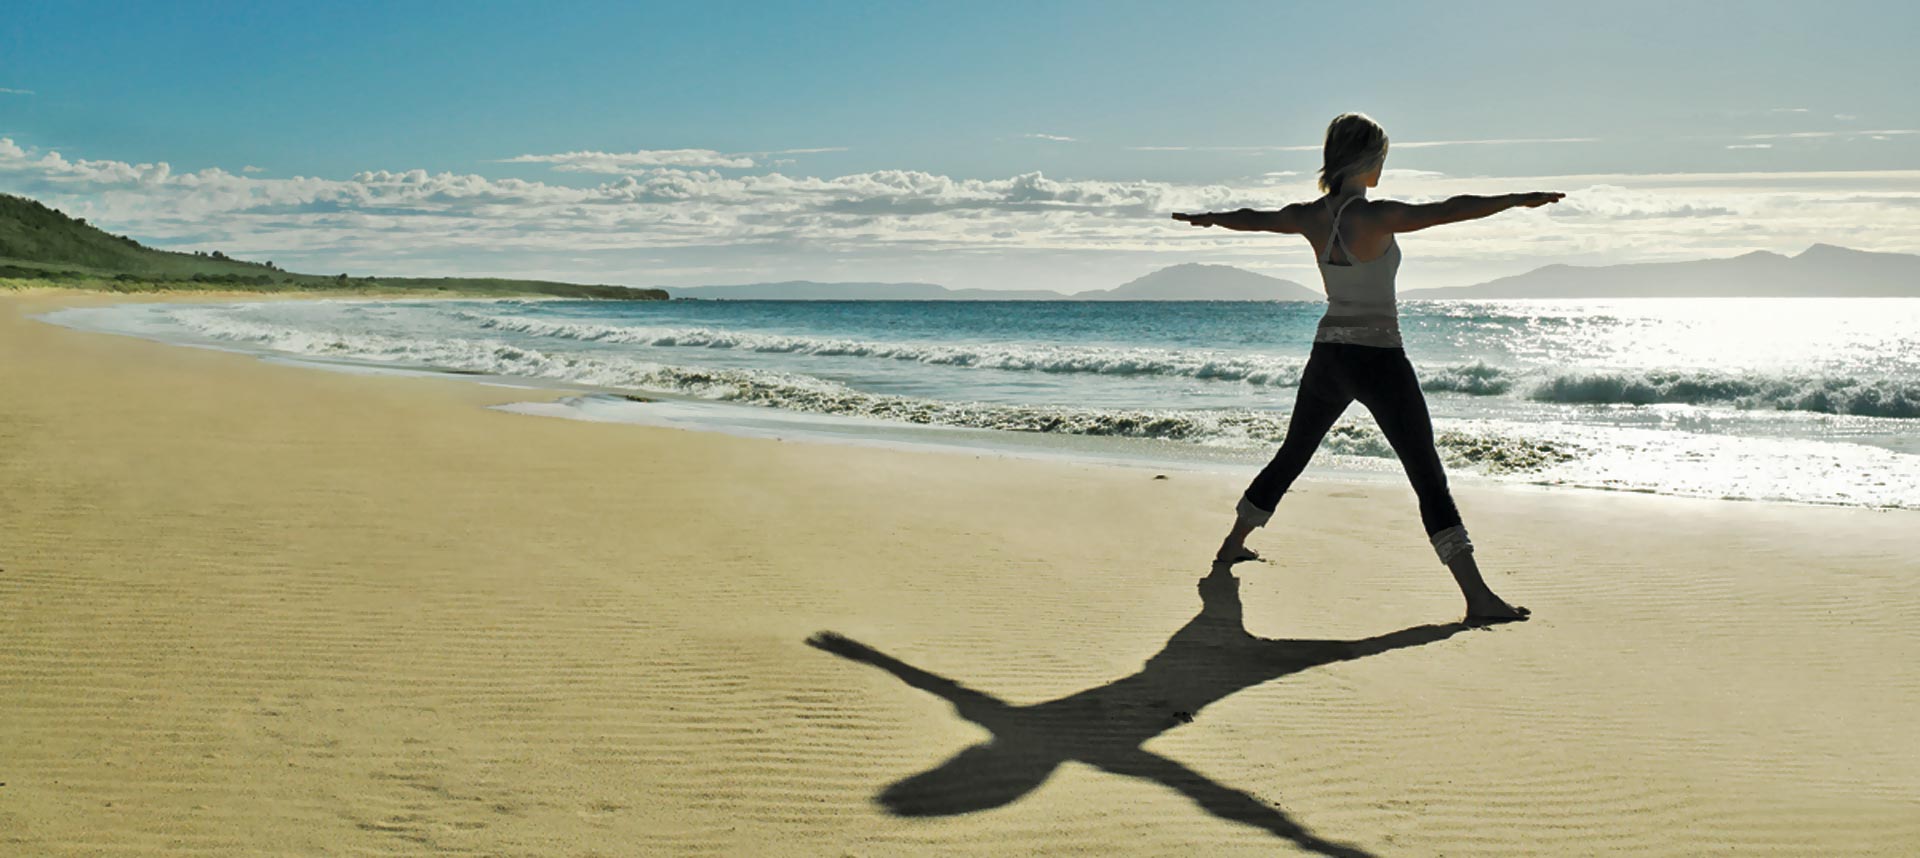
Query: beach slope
x,y
256,609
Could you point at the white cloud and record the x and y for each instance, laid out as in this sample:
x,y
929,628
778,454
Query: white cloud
x,y
1514,141
252,169
1414,144
1620,203
625,162
761,224
1750,146
1611,218
52,167
1810,135
7,91
1051,137
1788,110
640,161
1241,149
1845,117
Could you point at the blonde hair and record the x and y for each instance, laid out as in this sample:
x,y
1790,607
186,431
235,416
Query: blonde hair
x,y
1355,143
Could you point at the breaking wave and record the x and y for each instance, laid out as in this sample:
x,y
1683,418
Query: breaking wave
x,y
1476,379
796,392
1831,395
1254,369
1867,397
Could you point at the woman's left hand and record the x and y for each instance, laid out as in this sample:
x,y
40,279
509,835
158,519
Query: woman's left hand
x,y
1195,219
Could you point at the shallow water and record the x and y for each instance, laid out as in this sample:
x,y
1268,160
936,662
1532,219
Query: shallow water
x,y
1814,400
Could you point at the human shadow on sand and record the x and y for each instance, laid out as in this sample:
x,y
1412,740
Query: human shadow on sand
x,y
1207,659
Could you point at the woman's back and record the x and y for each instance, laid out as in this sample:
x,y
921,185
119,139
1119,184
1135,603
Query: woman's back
x,y
1360,238
1357,267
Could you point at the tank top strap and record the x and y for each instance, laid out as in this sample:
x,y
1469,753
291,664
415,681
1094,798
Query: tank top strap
x,y
1334,235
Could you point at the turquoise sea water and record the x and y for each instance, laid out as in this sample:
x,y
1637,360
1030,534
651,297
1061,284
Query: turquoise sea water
x,y
1814,400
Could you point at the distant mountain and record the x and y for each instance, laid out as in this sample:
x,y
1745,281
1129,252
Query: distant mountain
x,y
808,290
1820,271
1190,282
1196,282
43,243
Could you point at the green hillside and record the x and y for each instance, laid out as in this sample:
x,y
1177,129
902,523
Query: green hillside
x,y
39,243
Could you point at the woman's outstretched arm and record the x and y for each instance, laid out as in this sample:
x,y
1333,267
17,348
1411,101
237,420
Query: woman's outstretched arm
x,y
1248,220
1408,217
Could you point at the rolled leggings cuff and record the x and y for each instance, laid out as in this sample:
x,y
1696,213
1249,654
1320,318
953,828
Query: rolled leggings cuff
x,y
1252,515
1452,543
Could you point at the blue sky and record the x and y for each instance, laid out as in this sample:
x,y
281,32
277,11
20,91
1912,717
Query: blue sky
x,y
920,120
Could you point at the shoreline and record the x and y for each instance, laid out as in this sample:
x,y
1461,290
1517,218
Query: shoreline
x,y
589,403
255,608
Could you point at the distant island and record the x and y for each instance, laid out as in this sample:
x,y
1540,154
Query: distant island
x,y
42,245
1820,271
1187,282
808,290
1196,282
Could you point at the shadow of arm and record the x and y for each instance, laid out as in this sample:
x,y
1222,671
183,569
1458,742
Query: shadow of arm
x,y
1414,636
972,705
1284,656
1227,803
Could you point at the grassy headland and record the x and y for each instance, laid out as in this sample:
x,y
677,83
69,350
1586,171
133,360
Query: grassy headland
x,y
42,247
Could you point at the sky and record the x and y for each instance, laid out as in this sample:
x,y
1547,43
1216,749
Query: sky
x,y
977,144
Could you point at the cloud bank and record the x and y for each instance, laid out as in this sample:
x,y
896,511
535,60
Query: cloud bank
x,y
1411,144
679,216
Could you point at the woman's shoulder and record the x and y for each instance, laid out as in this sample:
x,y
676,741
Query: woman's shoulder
x,y
1317,206
1349,205
1368,208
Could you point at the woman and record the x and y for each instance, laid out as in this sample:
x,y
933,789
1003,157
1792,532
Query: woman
x,y
1357,352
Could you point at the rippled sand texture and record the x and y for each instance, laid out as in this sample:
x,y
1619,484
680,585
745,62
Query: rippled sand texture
x,y
253,609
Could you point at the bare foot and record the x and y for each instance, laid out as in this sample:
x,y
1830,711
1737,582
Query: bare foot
x,y
1495,610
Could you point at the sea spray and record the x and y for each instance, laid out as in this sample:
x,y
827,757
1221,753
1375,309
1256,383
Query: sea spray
x,y
1241,428
1871,397
1810,401
1259,370
1875,397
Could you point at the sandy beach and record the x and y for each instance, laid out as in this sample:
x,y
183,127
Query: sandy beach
x,y
253,609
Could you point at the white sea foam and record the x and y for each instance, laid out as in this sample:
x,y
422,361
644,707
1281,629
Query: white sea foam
x,y
1832,436
1826,394
1842,394
1254,369
798,392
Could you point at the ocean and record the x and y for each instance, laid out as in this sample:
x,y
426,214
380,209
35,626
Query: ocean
x,y
1786,399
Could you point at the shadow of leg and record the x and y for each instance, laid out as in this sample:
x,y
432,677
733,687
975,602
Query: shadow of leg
x,y
987,775
1224,802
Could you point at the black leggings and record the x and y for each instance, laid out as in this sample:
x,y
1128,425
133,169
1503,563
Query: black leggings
x,y
1382,379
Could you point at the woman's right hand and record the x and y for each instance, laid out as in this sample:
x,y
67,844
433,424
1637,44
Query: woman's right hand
x,y
1540,198
1195,219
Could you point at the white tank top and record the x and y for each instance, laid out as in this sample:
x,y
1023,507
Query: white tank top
x,y
1360,303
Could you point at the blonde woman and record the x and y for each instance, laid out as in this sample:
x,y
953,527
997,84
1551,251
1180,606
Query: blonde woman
x,y
1357,352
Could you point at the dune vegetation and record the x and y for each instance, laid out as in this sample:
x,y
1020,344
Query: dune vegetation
x,y
42,247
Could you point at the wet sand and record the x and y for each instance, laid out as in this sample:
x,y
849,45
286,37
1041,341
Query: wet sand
x,y
257,609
